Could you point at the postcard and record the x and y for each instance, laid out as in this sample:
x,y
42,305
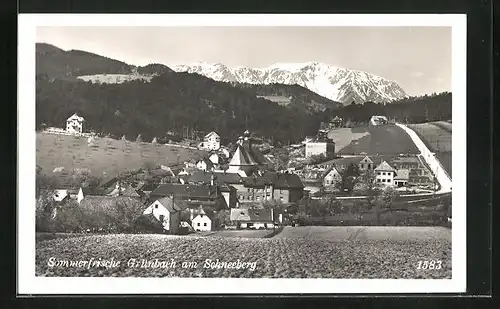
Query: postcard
x,y
236,154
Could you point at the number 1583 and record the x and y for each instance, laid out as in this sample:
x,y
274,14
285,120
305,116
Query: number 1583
x,y
431,264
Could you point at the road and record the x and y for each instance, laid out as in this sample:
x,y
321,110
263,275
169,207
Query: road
x,y
366,232
437,168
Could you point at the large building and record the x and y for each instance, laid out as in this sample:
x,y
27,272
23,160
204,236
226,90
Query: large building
x,y
323,146
384,174
211,141
284,187
75,124
247,159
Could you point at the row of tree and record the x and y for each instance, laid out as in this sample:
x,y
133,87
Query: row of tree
x,y
419,109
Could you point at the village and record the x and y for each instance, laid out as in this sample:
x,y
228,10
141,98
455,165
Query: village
x,y
248,187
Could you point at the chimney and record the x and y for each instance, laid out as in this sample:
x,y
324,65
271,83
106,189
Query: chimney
x,y
212,180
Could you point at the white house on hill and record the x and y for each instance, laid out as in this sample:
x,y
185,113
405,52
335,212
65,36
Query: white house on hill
x,y
384,174
167,212
75,124
211,141
378,120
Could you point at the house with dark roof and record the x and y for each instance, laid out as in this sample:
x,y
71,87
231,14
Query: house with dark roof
x,y
252,218
203,177
402,178
205,195
286,187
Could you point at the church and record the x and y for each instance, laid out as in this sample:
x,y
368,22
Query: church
x,y
247,159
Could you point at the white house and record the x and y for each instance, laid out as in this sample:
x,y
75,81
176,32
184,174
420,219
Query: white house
x,y
378,120
204,165
61,194
202,222
214,158
75,124
384,174
332,178
211,141
314,148
366,164
167,212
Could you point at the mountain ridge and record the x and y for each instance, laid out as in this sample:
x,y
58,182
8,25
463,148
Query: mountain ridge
x,y
335,83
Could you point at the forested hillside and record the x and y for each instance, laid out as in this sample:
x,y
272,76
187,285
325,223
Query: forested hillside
x,y
299,96
54,62
411,110
170,102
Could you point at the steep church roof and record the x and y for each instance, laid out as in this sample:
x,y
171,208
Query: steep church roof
x,y
247,155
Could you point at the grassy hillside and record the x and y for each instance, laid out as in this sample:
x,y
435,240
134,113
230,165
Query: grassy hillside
x,y
104,154
438,137
293,94
383,140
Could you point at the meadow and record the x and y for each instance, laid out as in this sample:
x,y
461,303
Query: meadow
x,y
297,252
344,136
388,140
438,138
104,154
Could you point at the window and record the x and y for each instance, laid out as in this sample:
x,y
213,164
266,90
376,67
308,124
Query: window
x,y
198,224
162,218
205,224
383,173
156,206
383,180
379,173
378,180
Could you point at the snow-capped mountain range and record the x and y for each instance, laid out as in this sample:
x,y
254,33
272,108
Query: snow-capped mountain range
x,y
338,84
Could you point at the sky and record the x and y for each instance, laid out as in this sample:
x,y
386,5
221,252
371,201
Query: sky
x,y
417,58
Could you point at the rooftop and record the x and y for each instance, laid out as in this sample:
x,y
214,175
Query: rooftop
x,y
183,190
249,215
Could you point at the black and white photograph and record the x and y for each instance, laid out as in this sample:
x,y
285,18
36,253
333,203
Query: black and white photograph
x,y
209,151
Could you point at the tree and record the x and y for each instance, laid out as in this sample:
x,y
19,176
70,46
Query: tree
x,y
222,218
45,206
350,177
387,198
43,181
367,187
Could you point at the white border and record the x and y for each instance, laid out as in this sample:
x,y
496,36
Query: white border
x,y
29,284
